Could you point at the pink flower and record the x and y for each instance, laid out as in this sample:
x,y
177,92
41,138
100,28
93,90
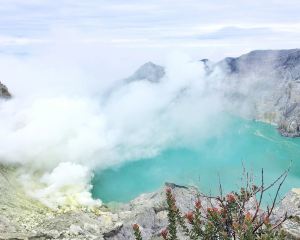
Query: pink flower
x,y
266,220
230,198
168,190
190,217
136,227
248,217
164,233
212,210
198,204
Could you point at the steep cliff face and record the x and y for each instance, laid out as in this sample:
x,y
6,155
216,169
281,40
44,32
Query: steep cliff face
x,y
265,85
4,93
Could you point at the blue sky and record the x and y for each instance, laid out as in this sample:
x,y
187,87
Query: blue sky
x,y
228,27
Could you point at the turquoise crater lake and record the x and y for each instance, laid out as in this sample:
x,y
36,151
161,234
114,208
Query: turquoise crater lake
x,y
257,145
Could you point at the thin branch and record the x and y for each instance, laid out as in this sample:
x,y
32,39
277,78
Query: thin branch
x,y
220,186
282,175
275,198
270,210
261,195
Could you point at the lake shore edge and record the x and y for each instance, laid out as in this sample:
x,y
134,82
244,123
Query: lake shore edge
x,y
26,218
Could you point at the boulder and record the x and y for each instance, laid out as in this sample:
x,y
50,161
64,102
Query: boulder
x,y
291,205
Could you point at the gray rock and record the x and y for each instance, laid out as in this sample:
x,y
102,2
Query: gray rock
x,y
25,218
262,85
207,65
291,205
281,64
147,72
4,93
150,212
267,84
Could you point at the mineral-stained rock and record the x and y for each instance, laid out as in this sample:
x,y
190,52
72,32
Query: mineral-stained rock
x,y
24,218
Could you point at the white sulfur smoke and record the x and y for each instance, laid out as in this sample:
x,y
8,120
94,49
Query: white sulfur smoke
x,y
67,185
62,123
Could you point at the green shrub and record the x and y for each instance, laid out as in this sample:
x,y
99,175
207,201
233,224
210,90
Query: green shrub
x,y
227,218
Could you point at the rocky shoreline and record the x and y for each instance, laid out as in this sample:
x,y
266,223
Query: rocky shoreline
x,y
25,218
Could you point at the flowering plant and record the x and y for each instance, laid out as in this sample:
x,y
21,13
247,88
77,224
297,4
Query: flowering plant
x,y
227,218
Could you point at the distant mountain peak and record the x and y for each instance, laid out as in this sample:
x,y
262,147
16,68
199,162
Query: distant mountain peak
x,y
148,71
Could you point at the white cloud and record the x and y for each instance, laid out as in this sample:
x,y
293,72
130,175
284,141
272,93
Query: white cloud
x,y
154,20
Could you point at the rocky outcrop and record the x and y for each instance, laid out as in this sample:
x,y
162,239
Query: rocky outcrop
x,y
24,218
150,212
262,85
291,205
265,85
4,93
